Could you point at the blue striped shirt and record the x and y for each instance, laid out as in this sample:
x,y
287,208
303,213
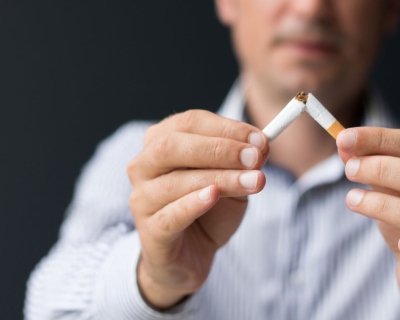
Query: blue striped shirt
x,y
298,254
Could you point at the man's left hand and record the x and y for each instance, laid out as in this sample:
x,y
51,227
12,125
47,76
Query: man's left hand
x,y
372,157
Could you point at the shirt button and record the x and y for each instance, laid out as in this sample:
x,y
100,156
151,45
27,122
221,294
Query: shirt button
x,y
298,278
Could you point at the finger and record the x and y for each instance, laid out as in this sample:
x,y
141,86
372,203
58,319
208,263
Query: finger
x,y
170,221
222,220
209,124
370,141
380,171
183,150
344,156
154,194
375,205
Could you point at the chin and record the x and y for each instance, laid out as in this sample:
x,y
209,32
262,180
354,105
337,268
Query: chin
x,y
319,82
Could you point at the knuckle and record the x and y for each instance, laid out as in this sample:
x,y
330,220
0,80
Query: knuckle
x,y
383,170
163,146
167,222
169,185
174,218
221,180
384,206
229,129
162,222
184,210
133,164
388,210
188,119
217,150
132,169
379,136
150,133
134,200
385,140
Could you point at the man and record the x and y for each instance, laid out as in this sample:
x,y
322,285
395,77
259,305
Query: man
x,y
199,247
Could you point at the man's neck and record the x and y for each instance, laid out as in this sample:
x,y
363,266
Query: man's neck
x,y
304,143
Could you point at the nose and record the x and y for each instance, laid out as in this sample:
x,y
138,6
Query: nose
x,y
314,9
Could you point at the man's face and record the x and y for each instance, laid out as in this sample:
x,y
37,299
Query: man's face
x,y
320,46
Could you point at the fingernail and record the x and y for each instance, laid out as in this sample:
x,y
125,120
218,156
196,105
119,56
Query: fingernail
x,y
249,180
248,157
347,139
352,167
354,197
257,140
204,195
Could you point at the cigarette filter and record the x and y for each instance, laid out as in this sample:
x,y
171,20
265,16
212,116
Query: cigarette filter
x,y
288,114
323,116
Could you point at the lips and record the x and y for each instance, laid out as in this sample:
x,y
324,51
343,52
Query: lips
x,y
312,46
321,43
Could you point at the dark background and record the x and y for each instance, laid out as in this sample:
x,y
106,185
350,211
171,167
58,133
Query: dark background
x,y
70,74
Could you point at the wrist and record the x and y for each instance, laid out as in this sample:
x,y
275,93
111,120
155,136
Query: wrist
x,y
156,295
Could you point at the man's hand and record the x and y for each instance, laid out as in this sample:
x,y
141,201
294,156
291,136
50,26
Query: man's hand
x,y
190,187
372,157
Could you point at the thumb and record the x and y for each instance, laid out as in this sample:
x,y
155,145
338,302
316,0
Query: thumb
x,y
175,217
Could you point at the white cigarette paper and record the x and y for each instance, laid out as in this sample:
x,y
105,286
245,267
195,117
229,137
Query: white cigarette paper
x,y
320,114
294,108
288,114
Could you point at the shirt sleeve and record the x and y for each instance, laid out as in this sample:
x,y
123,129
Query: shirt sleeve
x,y
90,273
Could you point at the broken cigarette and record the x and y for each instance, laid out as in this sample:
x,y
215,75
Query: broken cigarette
x,y
288,114
294,108
320,114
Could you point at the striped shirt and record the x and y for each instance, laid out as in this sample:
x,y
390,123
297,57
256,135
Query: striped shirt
x,y
298,254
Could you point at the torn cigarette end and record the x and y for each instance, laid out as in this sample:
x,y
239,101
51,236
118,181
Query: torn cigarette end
x,y
288,114
302,97
335,129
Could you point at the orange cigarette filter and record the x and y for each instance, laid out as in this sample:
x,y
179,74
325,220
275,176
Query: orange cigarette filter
x,y
320,114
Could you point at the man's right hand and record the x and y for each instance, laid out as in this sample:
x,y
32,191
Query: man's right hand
x,y
190,186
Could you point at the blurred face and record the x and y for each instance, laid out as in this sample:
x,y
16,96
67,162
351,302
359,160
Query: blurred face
x,y
321,46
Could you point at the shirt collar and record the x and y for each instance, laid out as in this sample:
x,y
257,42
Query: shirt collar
x,y
234,103
331,169
377,113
